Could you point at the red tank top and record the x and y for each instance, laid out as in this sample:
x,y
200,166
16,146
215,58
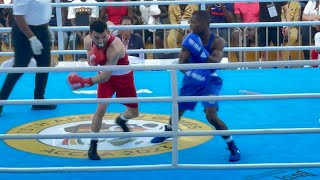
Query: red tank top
x,y
122,61
115,13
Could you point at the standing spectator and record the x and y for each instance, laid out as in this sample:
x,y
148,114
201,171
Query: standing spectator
x,y
179,14
81,16
245,12
30,38
310,13
115,13
292,38
150,15
222,13
271,12
130,40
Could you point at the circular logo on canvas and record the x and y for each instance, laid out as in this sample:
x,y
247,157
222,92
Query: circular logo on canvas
x,y
107,147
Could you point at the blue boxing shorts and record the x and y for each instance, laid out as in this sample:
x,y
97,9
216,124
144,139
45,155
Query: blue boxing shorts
x,y
201,82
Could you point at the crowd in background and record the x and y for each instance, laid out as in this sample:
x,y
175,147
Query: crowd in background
x,y
242,12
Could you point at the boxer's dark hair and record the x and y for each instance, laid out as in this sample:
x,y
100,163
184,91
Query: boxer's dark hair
x,y
98,26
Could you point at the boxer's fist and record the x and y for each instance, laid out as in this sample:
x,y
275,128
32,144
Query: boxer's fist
x,y
97,56
77,82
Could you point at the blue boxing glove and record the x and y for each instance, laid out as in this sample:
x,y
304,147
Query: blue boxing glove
x,y
193,43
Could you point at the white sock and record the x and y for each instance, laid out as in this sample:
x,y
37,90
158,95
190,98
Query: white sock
x,y
94,138
123,118
229,139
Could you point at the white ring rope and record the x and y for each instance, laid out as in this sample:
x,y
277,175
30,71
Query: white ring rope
x,y
177,26
162,99
164,134
160,167
232,65
177,50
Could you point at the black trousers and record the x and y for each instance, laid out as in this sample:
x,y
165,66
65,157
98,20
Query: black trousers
x,y
23,54
274,35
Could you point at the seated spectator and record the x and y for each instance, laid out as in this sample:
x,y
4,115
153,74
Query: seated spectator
x,y
245,12
164,16
115,13
315,52
130,40
310,13
110,31
291,39
150,15
4,12
179,14
65,22
81,16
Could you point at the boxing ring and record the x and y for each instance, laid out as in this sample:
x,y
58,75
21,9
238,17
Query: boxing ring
x,y
273,114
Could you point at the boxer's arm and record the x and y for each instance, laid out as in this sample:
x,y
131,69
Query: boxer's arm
x,y
114,52
87,45
184,57
217,47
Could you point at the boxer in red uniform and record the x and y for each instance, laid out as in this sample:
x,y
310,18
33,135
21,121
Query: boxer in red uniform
x,y
104,49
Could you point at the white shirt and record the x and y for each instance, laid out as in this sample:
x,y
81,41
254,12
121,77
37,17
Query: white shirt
x,y
311,9
72,9
148,11
35,12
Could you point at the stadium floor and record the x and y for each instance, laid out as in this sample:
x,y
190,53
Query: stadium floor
x,y
67,118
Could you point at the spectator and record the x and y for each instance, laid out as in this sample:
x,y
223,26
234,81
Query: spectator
x,y
310,13
315,52
65,22
115,13
164,14
179,14
150,15
81,16
292,38
130,40
4,12
222,13
245,12
271,12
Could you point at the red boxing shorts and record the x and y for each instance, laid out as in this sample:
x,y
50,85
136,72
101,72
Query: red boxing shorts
x,y
122,85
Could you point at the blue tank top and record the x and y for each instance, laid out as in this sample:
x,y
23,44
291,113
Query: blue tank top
x,y
206,47
202,77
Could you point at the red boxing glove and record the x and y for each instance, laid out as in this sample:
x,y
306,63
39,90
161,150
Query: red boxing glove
x,y
97,56
77,82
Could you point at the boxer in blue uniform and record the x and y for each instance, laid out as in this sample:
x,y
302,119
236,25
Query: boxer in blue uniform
x,y
202,46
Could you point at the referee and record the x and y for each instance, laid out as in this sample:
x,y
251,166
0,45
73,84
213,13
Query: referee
x,y
30,39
